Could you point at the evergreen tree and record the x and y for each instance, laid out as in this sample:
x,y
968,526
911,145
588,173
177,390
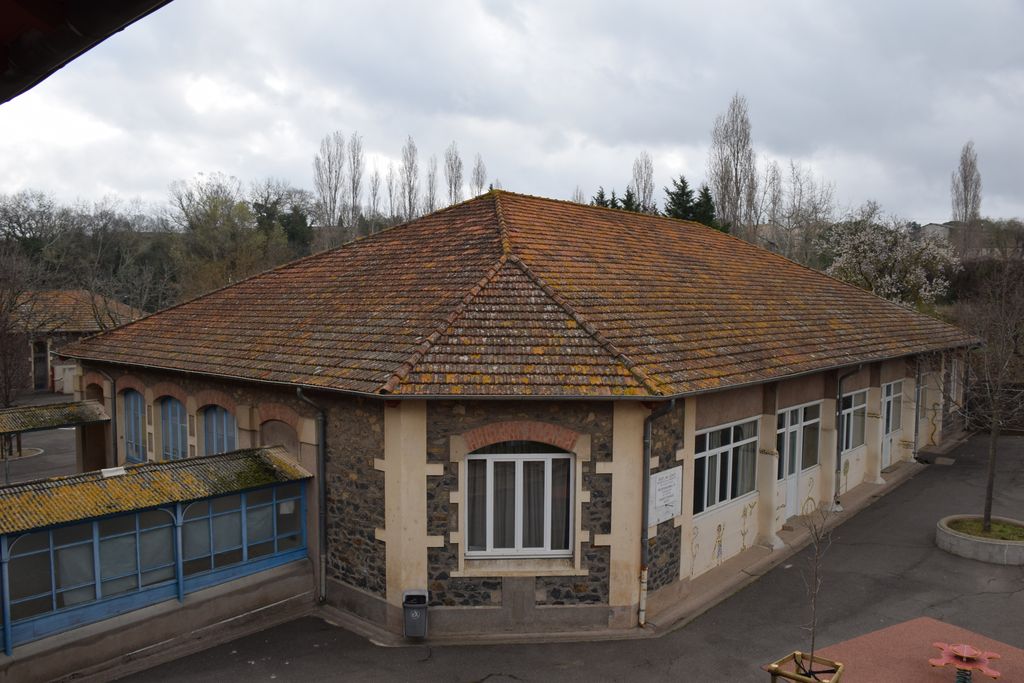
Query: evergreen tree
x,y
630,202
614,202
704,209
600,199
679,201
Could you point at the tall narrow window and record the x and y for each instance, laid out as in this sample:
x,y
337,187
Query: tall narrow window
x,y
218,431
134,426
854,418
519,500
173,429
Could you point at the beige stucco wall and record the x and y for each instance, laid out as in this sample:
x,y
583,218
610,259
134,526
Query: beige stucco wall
x,y
801,390
728,406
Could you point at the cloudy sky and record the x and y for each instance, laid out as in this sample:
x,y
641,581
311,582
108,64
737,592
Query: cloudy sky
x,y
876,98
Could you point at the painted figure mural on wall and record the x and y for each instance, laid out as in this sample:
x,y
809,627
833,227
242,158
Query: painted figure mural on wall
x,y
748,512
719,532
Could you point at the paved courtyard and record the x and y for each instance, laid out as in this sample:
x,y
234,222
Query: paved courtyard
x,y
882,569
49,453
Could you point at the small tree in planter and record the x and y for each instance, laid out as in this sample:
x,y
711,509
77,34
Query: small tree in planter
x,y
995,314
807,667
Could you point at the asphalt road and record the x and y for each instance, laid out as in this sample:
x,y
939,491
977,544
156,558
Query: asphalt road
x,y
882,568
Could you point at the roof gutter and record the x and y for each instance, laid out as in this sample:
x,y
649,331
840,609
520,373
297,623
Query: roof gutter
x,y
321,497
505,397
645,553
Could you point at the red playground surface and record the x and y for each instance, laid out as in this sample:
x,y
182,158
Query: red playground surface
x,y
901,653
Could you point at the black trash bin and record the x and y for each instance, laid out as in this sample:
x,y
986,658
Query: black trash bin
x,y
414,604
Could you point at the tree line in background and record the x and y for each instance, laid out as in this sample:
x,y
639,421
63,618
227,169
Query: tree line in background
x,y
215,230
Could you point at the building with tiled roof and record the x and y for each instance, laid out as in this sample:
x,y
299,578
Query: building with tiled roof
x,y
490,393
55,317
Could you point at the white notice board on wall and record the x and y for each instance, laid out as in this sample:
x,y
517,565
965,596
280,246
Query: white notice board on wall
x,y
666,499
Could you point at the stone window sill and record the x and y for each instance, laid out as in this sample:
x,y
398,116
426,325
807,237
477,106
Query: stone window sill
x,y
520,567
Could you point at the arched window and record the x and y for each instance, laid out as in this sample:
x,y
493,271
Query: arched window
x,y
219,431
134,426
519,500
173,429
278,433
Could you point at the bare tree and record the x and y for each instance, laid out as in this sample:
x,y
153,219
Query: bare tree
x,y
643,182
17,310
355,177
391,182
410,179
329,178
430,196
818,522
479,177
375,193
965,186
732,172
453,173
996,315
578,196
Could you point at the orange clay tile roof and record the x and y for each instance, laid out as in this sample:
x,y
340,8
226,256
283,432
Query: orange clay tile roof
x,y
75,310
60,500
512,295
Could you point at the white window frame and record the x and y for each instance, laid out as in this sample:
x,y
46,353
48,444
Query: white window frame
x,y
707,454
889,391
519,551
955,382
797,426
846,418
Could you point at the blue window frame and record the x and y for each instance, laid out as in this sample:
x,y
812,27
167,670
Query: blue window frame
x,y
219,431
134,426
173,429
63,577
270,521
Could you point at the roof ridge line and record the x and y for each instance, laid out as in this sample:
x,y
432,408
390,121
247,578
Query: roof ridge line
x,y
403,370
506,241
638,373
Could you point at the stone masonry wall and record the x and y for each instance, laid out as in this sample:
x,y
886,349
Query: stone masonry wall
x,y
664,548
355,494
445,418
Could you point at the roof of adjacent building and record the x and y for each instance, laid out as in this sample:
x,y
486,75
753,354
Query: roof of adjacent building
x,y
75,311
22,419
512,295
61,500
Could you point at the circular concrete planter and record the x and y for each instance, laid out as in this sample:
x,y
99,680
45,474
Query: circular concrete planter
x,y
975,548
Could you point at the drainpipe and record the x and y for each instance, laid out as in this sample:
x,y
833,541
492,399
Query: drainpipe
x,y
644,516
917,405
112,462
321,499
836,505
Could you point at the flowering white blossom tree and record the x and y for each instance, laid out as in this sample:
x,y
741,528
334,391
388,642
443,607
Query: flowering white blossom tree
x,y
884,258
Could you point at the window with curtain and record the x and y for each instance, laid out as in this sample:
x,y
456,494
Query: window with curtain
x,y
173,429
519,497
726,464
854,419
219,431
797,438
134,426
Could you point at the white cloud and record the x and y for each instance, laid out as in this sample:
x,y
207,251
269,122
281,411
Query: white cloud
x,y
877,98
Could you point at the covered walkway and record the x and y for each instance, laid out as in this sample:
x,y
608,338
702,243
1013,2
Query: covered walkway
x,y
80,549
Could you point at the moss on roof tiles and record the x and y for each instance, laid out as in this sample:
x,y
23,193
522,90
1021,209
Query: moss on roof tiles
x,y
35,418
62,500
